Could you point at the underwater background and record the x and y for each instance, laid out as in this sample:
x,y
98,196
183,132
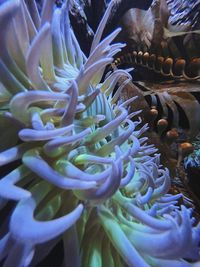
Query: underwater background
x,y
99,133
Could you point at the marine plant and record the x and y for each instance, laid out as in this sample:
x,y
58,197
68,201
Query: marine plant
x,y
83,173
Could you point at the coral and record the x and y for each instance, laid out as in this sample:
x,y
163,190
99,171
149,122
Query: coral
x,y
162,47
84,173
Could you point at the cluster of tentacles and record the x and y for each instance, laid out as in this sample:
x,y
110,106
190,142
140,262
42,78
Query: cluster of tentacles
x,y
83,173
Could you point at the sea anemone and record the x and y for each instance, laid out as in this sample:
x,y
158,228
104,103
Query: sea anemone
x,y
83,173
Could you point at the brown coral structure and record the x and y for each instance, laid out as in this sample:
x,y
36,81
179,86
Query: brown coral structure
x,y
166,64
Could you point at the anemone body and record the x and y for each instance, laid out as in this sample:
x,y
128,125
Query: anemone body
x,y
83,172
